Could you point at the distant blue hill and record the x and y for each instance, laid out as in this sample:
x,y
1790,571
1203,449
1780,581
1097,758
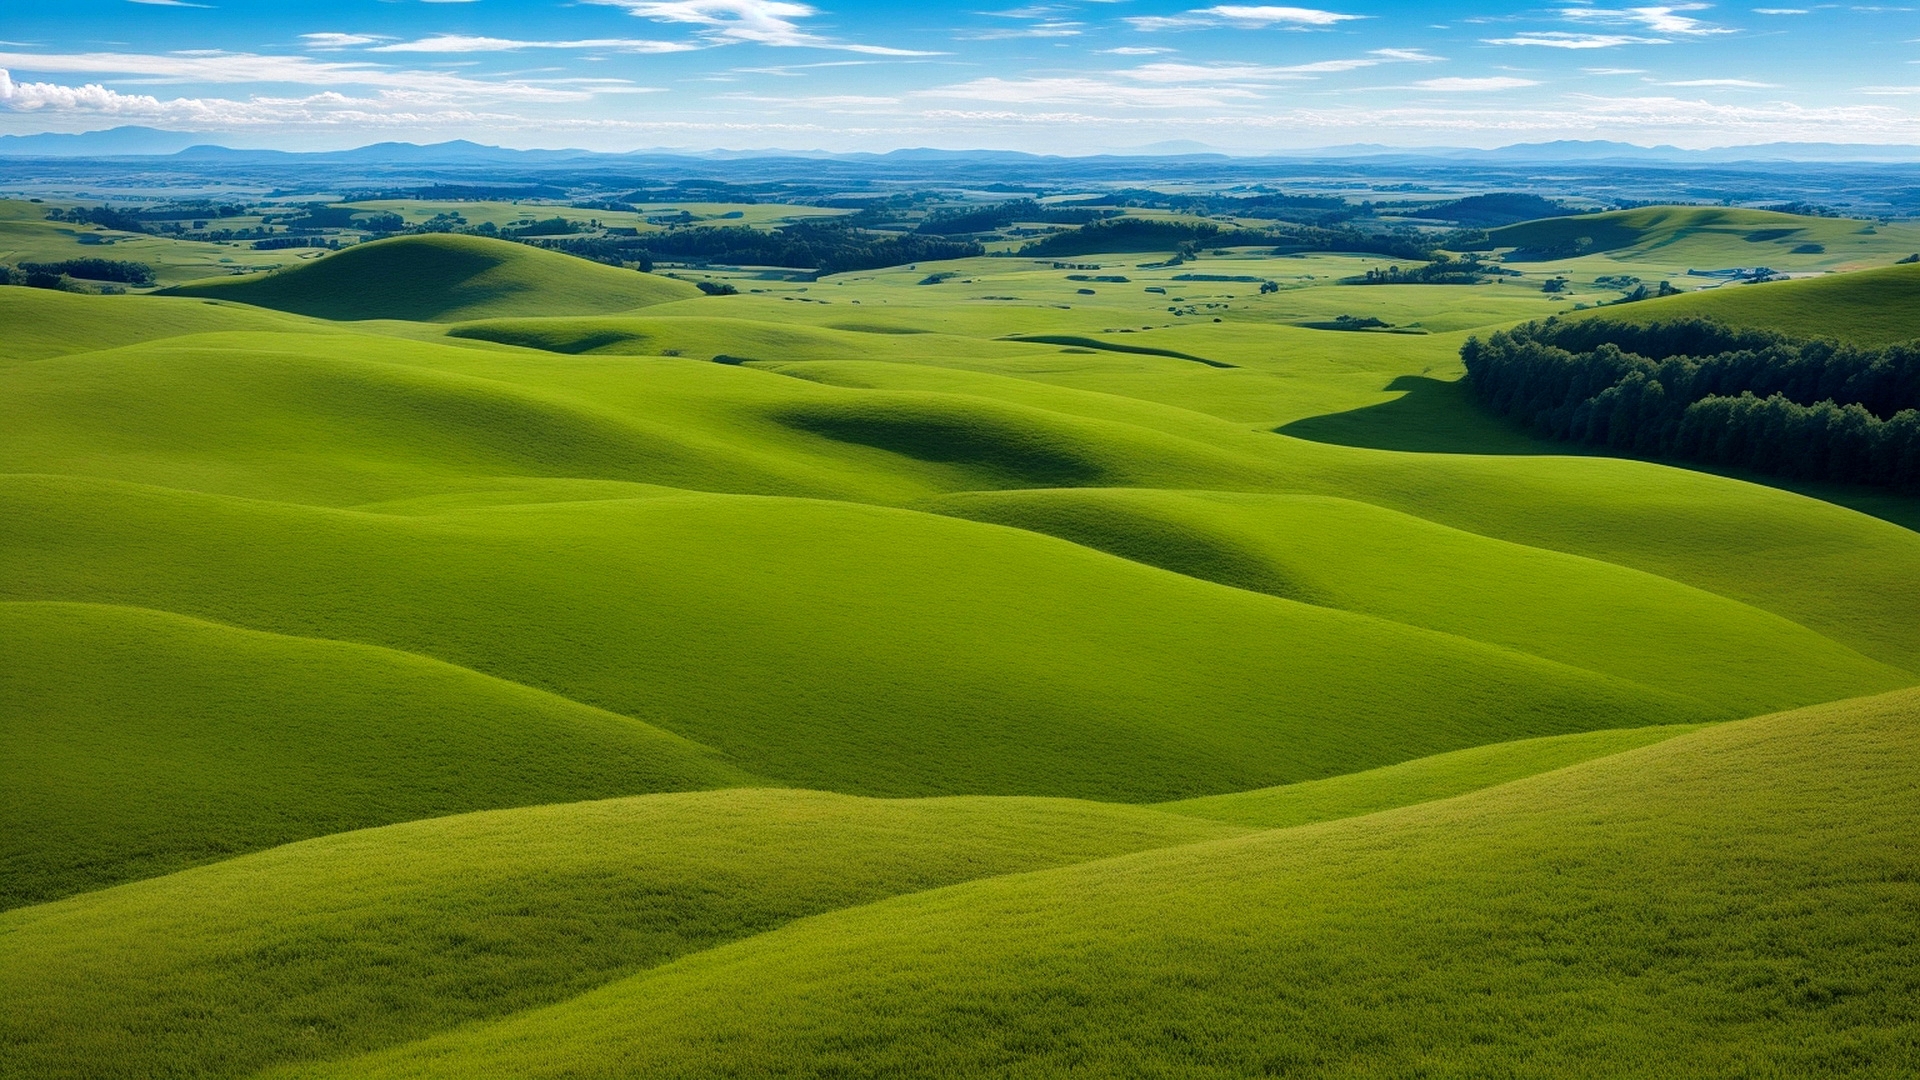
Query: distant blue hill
x,y
189,146
116,142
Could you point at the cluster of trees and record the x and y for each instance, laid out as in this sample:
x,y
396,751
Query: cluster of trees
x,y
829,245
124,273
155,219
1443,270
1262,205
32,279
960,222
1696,389
1188,237
1493,210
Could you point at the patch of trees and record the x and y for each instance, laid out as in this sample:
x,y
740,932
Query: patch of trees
x,y
125,273
1443,270
283,243
981,219
1496,209
829,245
1697,390
142,220
1266,205
553,226
1187,237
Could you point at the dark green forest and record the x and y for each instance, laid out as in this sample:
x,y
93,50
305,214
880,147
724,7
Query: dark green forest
x,y
1697,390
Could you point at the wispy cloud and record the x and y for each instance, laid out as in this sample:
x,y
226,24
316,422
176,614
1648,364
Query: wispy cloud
x,y
270,70
1746,84
756,22
1561,39
1454,85
1241,15
341,41
1660,20
461,43
1087,90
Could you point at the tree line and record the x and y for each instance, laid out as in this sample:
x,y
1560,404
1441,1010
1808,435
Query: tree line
x,y
1698,390
1187,237
830,246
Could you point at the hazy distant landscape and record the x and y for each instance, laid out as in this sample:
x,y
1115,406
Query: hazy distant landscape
x,y
1269,569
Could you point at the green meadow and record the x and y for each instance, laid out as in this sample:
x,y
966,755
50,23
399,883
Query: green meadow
x,y
444,657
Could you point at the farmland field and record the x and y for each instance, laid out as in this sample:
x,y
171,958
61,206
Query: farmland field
x,y
447,657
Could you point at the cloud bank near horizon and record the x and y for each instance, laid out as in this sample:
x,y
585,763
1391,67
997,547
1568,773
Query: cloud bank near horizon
x,y
1070,76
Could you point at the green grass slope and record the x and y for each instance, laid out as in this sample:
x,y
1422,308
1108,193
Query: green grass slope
x,y
1737,901
1711,237
1427,779
444,278
1868,307
42,323
1349,555
854,648
139,742
362,940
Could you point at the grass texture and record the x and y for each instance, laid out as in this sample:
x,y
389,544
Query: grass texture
x,y
1734,901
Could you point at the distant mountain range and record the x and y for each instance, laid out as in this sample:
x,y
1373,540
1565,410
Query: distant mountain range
x,y
152,142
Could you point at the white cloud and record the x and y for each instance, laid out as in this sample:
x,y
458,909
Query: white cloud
x,y
1267,16
1661,20
340,41
218,68
1459,85
1081,90
1135,50
1560,39
460,43
1242,15
1165,72
757,22
1738,83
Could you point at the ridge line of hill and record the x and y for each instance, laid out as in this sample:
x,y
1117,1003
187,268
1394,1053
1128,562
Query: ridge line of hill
x,y
651,729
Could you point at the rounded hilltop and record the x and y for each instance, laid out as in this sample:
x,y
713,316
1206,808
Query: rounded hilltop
x,y
444,278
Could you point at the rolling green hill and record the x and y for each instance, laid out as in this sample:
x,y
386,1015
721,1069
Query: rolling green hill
x,y
225,969
1871,307
454,658
652,878
159,741
1709,237
443,278
1727,901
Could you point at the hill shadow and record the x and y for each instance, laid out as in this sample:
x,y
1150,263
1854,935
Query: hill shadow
x,y
1436,416
1431,416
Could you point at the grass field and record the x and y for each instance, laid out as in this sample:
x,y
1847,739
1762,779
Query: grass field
x,y
450,658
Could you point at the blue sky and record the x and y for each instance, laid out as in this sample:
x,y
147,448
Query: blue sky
x,y
1068,77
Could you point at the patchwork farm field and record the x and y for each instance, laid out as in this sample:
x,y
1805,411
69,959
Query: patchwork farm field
x,y
445,657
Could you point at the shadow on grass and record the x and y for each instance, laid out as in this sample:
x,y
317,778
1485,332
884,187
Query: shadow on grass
x,y
1431,416
1437,416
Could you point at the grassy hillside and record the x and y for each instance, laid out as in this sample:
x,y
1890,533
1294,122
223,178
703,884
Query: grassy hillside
x,y
1871,307
443,278
556,900
373,938
1711,237
42,323
857,649
385,646
157,742
27,236
1723,902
